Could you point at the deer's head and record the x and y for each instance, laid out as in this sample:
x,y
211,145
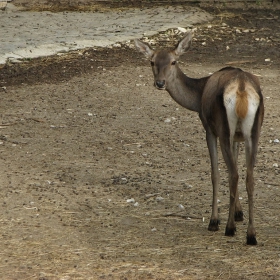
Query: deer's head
x,y
164,62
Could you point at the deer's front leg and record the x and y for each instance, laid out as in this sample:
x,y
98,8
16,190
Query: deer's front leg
x,y
215,177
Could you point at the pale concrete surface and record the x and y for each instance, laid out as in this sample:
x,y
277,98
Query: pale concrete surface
x,y
25,35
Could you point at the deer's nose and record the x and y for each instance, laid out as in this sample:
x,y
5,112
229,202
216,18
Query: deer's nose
x,y
160,84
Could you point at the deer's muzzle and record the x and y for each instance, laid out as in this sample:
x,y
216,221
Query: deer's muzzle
x,y
160,84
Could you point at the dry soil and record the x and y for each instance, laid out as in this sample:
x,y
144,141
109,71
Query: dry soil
x,y
104,177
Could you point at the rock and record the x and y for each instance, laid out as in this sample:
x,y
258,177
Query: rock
x,y
3,5
183,30
181,207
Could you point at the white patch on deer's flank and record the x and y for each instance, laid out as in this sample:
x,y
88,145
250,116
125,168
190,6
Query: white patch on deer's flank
x,y
246,124
253,104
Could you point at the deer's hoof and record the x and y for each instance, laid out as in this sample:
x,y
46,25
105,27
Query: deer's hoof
x,y
230,231
214,225
251,240
238,217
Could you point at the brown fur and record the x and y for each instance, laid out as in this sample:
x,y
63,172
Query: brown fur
x,y
241,108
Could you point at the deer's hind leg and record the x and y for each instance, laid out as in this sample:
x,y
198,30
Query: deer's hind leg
x,y
238,216
251,127
215,177
251,146
227,148
250,161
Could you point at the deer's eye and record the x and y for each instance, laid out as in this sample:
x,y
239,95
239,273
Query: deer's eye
x,y
152,63
173,62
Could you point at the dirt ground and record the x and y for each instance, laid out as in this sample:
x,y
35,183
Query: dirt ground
x,y
104,177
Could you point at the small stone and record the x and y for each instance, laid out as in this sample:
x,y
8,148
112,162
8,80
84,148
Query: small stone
x,y
182,29
3,5
181,207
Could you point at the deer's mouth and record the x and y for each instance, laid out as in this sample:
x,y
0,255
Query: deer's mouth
x,y
160,88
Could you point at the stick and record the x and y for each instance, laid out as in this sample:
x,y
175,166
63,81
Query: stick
x,y
177,214
239,62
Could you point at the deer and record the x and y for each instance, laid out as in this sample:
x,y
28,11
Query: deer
x,y
230,105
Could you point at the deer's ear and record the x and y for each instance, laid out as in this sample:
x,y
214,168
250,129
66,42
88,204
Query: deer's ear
x,y
144,48
184,44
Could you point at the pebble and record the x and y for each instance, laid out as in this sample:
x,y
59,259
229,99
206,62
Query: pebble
x,y
183,30
181,207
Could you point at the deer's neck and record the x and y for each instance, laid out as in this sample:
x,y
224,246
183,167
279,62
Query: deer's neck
x,y
186,91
